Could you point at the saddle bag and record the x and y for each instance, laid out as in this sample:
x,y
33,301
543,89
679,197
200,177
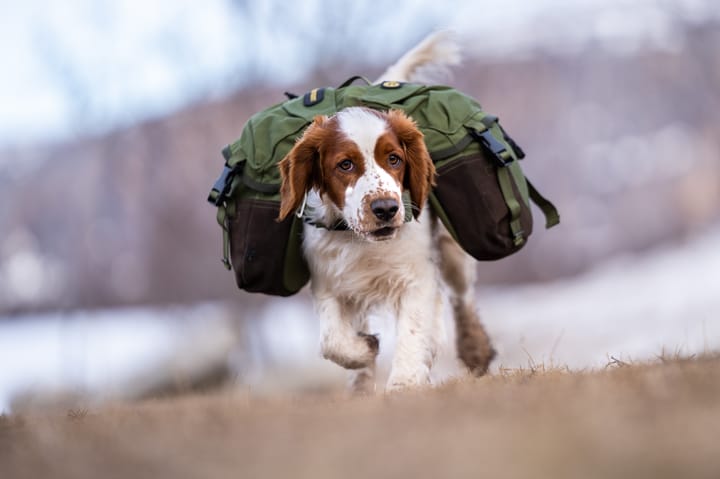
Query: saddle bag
x,y
482,196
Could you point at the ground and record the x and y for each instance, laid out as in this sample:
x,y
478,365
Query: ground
x,y
627,420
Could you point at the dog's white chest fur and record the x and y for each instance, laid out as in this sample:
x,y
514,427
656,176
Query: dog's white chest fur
x,y
365,272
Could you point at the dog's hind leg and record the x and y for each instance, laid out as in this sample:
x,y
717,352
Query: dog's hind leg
x,y
458,271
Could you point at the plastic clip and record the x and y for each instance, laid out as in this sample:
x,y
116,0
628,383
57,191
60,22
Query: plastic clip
x,y
492,146
301,211
221,187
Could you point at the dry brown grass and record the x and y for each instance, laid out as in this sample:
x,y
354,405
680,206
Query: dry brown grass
x,y
628,420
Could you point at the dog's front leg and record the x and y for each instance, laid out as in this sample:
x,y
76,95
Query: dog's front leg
x,y
340,341
418,331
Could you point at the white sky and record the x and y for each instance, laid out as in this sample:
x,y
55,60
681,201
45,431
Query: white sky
x,y
77,66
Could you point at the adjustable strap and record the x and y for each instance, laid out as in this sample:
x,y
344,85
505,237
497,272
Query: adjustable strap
x,y
220,195
552,217
497,151
222,221
505,180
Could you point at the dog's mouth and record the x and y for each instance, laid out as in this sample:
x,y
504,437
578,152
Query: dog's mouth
x,y
384,233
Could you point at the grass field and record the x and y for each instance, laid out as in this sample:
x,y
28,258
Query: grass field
x,y
628,420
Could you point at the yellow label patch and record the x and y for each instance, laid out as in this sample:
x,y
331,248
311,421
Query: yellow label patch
x,y
390,84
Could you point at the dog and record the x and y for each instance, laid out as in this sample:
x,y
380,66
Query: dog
x,y
353,168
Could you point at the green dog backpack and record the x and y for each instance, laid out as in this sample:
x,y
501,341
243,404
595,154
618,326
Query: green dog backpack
x,y
481,196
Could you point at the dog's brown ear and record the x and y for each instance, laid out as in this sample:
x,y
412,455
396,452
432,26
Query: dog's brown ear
x,y
297,169
420,170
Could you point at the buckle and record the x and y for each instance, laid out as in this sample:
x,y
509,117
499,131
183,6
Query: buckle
x,y
221,187
492,146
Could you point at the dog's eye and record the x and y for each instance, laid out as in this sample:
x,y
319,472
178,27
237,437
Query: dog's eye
x,y
346,165
394,160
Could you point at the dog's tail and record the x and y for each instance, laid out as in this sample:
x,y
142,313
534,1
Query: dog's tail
x,y
429,60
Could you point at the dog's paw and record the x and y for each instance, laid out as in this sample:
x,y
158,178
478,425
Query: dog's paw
x,y
354,352
405,384
412,379
477,359
475,350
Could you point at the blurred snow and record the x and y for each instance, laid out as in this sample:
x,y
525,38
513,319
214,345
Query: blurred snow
x,y
633,308
108,354
666,301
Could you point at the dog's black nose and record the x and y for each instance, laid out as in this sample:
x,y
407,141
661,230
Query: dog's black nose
x,y
384,208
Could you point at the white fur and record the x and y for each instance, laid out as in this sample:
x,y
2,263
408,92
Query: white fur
x,y
428,62
352,275
364,129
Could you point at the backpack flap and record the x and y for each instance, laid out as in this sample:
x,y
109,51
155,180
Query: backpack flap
x,y
319,101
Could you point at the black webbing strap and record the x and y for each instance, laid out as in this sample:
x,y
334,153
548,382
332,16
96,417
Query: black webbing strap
x,y
352,79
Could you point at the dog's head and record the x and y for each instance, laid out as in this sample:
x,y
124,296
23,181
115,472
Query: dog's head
x,y
360,161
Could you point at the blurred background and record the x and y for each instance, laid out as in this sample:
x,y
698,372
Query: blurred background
x,y
113,115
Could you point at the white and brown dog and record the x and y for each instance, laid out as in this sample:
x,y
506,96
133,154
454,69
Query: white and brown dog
x,y
353,168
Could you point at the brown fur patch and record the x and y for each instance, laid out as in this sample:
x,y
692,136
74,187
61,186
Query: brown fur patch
x,y
473,344
313,161
298,169
389,144
419,170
